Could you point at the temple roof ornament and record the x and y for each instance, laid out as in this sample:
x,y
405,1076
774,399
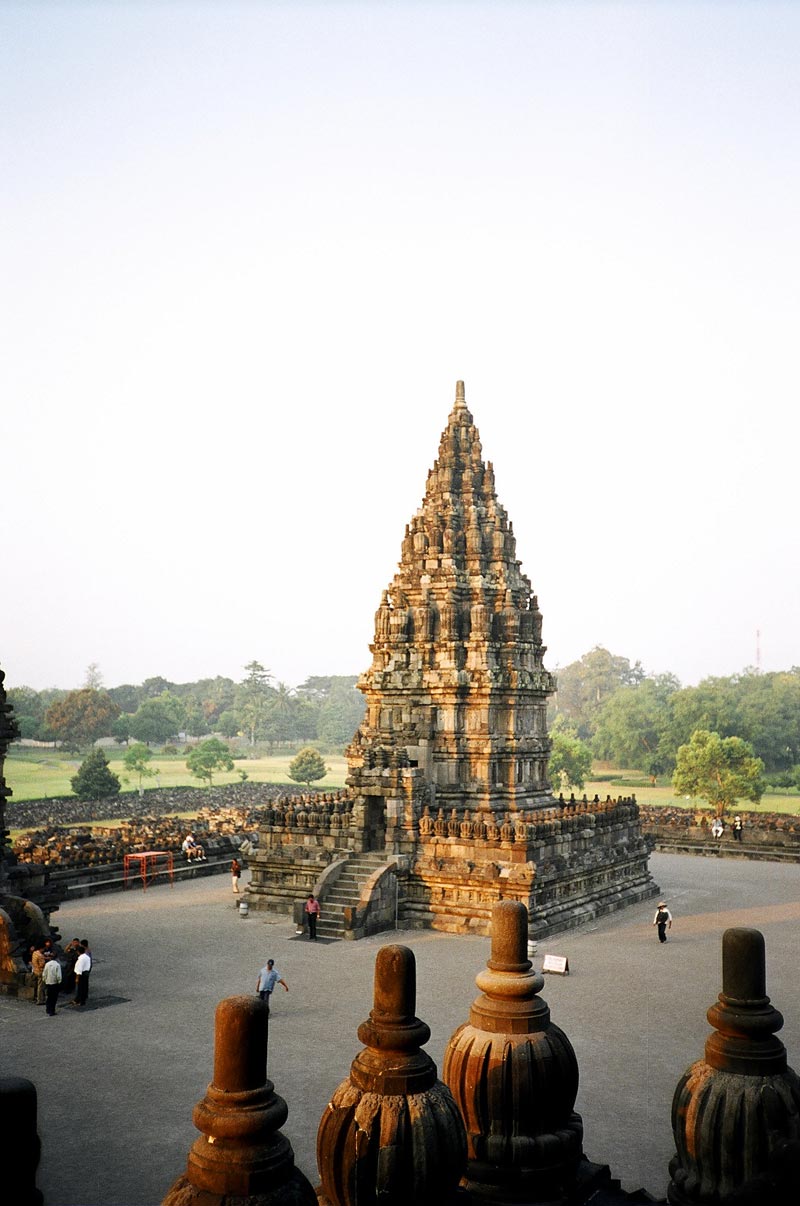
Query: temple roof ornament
x,y
736,1113
241,1153
514,1076
392,1132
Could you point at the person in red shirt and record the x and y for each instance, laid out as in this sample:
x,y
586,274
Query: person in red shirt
x,y
312,913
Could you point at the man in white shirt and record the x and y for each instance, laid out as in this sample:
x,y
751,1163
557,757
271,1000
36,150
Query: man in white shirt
x,y
83,967
51,978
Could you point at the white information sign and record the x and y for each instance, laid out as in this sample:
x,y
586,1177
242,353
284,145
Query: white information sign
x,y
558,964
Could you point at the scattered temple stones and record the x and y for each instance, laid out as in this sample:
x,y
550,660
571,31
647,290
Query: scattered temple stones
x,y
447,785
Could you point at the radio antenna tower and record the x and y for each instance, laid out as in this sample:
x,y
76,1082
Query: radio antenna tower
x,y
758,650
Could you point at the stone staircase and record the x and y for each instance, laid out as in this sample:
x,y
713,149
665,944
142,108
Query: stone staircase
x,y
346,892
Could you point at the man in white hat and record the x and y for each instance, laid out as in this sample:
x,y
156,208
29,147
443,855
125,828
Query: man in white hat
x,y
662,919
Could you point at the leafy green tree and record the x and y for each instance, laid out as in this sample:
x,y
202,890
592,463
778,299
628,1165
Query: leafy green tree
x,y
718,769
157,719
253,700
195,719
340,715
570,758
632,722
583,687
121,728
227,724
95,780
209,757
307,766
126,697
136,760
82,716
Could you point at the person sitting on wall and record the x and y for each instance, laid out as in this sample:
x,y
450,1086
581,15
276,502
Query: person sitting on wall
x,y
191,849
717,829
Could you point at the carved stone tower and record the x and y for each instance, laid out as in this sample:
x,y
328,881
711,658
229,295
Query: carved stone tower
x,y
457,687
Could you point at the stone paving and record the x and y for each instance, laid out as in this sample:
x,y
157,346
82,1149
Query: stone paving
x,y
118,1082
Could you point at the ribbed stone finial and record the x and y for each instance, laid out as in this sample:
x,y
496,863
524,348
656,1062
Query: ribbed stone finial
x,y
241,1152
19,1141
391,1132
736,1113
460,396
515,1077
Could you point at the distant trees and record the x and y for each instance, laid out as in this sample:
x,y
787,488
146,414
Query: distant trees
x,y
157,719
94,779
209,757
307,766
136,761
570,758
718,769
82,716
585,685
252,700
327,709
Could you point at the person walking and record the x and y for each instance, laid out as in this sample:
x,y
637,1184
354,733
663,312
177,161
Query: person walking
x,y
83,967
236,871
662,919
268,977
51,978
312,912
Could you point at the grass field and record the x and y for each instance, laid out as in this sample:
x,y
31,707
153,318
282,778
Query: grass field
x,y
38,774
627,783
35,774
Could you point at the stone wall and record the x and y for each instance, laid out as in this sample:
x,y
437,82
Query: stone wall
x,y
766,835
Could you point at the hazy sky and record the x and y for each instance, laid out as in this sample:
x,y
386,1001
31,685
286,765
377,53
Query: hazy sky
x,y
247,250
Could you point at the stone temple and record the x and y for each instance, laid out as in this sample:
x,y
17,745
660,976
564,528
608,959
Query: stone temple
x,y
448,807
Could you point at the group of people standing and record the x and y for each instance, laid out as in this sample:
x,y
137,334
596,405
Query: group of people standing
x,y
50,979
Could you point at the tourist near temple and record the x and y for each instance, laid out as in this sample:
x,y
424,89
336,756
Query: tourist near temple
x,y
448,807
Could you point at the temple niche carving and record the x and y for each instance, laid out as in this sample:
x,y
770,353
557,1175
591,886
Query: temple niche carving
x,y
448,805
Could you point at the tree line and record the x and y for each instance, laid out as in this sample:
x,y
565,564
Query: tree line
x,y
631,719
326,709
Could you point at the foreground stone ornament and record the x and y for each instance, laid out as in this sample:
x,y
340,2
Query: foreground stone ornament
x,y
515,1077
392,1133
19,1142
736,1113
241,1157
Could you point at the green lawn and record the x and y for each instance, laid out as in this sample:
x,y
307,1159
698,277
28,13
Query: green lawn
x,y
37,774
627,783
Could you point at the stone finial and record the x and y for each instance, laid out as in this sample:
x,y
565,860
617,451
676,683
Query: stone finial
x,y
515,1077
20,1141
736,1113
460,395
391,1133
241,1152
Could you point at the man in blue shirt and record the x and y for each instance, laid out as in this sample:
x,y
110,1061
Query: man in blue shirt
x,y
268,977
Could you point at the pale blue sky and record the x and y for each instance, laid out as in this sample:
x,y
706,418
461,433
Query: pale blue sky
x,y
247,250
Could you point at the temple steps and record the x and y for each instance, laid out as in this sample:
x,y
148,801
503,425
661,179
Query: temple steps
x,y
345,892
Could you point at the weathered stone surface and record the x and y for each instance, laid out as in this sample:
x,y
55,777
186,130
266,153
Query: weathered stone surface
x,y
515,1077
241,1157
392,1133
736,1113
